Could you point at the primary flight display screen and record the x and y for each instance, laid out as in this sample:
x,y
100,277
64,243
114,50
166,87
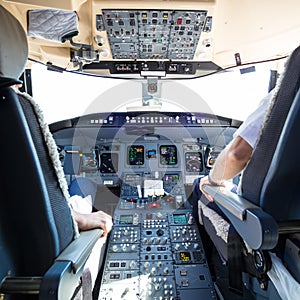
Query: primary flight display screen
x,y
135,155
109,162
168,155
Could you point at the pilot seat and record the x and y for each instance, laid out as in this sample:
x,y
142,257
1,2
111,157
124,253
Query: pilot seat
x,y
257,233
43,256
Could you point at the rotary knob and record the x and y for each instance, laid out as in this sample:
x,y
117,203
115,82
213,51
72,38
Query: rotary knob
x,y
132,264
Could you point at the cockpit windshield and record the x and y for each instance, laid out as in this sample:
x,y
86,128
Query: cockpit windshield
x,y
231,93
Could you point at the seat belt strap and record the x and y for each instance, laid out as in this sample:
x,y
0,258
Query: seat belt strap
x,y
234,244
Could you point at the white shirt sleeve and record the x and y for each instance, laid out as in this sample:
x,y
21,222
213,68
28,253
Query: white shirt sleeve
x,y
251,127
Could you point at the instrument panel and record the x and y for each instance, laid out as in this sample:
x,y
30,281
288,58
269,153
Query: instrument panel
x,y
155,251
102,161
108,146
148,164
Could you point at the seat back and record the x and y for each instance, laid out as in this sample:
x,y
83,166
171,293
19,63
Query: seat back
x,y
270,179
34,211
35,219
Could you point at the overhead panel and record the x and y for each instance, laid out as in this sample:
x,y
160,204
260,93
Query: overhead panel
x,y
153,34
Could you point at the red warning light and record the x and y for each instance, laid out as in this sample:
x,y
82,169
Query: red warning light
x,y
179,21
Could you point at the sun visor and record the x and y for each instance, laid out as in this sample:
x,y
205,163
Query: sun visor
x,y
51,24
13,45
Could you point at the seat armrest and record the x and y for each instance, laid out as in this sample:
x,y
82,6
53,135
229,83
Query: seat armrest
x,y
234,203
79,250
256,227
63,277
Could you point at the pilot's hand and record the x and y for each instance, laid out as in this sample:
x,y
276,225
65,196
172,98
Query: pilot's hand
x,y
205,181
93,220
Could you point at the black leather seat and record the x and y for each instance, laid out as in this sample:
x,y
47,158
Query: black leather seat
x,y
41,255
267,214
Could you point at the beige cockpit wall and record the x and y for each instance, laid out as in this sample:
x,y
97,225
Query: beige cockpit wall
x,y
255,30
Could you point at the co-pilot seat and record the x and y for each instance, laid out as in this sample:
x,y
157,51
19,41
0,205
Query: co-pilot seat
x,y
41,252
266,218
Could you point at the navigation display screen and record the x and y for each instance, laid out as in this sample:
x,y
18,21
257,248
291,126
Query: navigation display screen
x,y
168,155
135,155
193,162
109,162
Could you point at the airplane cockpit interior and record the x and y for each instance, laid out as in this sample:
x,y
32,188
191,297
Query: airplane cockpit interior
x,y
168,77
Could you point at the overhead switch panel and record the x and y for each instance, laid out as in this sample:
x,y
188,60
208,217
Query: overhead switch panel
x,y
153,34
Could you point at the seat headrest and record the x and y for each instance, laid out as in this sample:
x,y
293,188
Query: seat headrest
x,y
13,45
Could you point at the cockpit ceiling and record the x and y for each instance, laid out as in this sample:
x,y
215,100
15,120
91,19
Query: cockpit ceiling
x,y
159,37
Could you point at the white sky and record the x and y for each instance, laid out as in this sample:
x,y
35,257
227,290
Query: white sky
x,y
65,95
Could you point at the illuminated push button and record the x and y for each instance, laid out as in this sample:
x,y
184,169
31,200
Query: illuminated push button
x,y
185,283
183,272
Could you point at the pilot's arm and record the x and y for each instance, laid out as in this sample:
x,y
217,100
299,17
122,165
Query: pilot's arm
x,y
234,158
229,163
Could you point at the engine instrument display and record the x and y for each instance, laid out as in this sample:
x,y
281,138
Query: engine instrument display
x,y
193,162
168,155
135,155
109,162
